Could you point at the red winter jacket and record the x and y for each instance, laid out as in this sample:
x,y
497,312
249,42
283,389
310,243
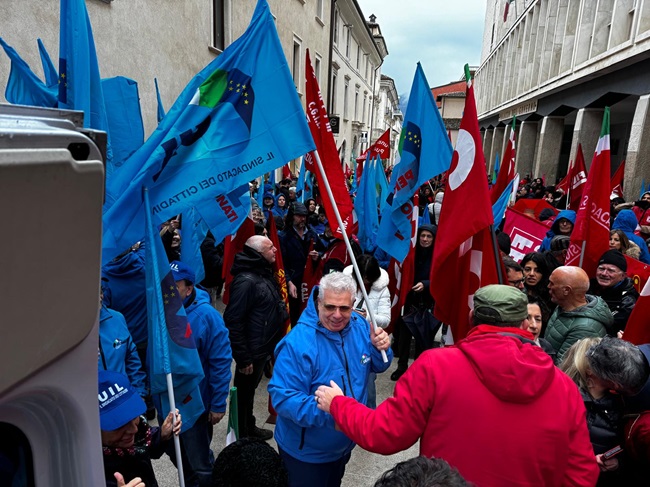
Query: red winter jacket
x,y
493,407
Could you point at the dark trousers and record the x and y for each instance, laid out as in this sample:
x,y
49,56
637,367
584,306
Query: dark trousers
x,y
295,308
403,337
303,474
246,385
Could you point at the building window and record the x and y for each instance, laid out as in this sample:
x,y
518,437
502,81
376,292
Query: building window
x,y
317,65
334,86
356,104
319,8
295,63
345,99
336,27
348,41
358,57
365,101
367,77
219,24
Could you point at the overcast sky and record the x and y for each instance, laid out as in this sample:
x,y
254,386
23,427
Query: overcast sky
x,y
442,35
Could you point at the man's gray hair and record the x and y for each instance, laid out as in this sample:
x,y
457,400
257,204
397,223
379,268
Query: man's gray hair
x,y
620,362
256,242
337,283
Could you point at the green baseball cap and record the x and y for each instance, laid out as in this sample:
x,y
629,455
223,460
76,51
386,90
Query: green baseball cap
x,y
507,302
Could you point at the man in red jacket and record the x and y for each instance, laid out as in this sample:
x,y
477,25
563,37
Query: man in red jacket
x,y
494,405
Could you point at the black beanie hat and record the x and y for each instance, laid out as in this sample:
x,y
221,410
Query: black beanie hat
x,y
614,257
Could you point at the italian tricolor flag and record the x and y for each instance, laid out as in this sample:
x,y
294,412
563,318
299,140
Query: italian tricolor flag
x,y
233,421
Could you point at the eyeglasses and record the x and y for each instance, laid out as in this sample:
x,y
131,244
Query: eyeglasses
x,y
517,282
331,308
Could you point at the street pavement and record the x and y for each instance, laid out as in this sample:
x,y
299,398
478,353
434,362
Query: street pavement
x,y
363,469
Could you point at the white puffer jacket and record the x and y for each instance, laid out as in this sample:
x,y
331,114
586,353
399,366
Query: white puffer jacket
x,y
378,297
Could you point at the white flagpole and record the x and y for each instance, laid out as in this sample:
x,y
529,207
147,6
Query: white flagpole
x,y
177,440
357,272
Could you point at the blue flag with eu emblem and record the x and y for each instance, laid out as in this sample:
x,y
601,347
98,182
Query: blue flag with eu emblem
x,y
239,118
171,348
424,152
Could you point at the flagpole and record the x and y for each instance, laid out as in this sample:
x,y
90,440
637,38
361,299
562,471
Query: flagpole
x,y
582,253
168,375
495,248
357,272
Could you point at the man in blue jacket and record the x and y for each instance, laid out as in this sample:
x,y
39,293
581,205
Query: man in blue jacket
x,y
330,343
213,345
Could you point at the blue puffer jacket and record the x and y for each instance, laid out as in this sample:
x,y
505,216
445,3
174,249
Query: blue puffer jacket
x,y
211,337
310,356
117,350
627,222
555,229
126,291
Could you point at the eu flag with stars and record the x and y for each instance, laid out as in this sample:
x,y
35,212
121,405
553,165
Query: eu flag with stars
x,y
424,152
239,118
171,348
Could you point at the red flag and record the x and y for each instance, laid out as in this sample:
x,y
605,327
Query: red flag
x,y
507,170
617,180
577,180
526,234
637,330
326,146
400,276
592,219
381,148
278,271
463,257
286,172
232,245
638,272
310,278
564,184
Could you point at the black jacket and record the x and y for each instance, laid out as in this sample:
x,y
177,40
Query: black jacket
x,y
295,251
256,312
620,300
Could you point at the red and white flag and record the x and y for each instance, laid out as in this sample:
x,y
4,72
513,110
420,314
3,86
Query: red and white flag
x,y
400,276
278,272
463,257
319,124
507,169
617,181
381,148
232,245
577,180
590,236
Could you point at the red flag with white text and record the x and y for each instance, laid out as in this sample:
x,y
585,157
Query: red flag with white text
x,y
463,257
591,229
381,149
326,146
637,330
507,170
577,180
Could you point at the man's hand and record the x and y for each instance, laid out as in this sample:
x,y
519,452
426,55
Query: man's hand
x,y
325,394
606,465
314,255
380,339
248,370
214,418
293,292
136,482
170,426
418,288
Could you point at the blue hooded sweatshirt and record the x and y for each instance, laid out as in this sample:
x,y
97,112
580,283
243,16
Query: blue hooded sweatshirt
x,y
212,343
627,222
555,229
278,210
310,356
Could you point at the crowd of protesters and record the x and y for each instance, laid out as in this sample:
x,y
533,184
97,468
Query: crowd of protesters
x,y
546,363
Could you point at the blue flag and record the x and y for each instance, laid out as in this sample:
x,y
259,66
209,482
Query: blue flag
x,y
80,86
171,348
224,214
124,119
495,173
424,152
499,208
51,76
366,207
300,185
381,184
23,86
237,119
260,193
160,114
192,236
